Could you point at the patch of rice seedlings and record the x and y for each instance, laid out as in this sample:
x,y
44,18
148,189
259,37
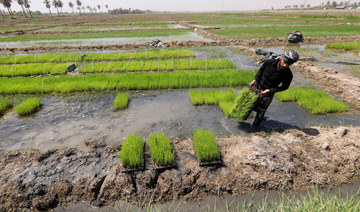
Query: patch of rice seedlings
x,y
125,81
121,101
28,106
150,65
32,69
196,97
60,58
5,105
205,146
352,46
161,149
132,152
244,104
225,99
317,102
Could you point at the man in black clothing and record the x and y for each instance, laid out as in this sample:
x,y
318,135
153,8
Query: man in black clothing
x,y
273,76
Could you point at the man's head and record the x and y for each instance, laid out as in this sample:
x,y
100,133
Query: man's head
x,y
288,58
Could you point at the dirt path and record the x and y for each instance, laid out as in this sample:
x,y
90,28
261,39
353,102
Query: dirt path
x,y
296,159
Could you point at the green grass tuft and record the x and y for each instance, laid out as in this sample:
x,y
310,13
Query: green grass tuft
x,y
28,106
351,46
5,105
132,152
161,150
121,101
317,102
244,104
205,146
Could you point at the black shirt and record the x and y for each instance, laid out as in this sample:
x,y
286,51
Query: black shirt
x,y
269,78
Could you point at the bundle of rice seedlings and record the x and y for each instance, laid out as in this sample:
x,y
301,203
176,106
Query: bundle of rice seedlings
x,y
121,101
244,104
28,106
205,146
161,150
132,152
5,105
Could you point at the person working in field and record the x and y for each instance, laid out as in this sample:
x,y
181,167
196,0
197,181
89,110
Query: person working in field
x,y
273,76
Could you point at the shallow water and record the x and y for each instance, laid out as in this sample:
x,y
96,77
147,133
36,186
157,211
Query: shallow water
x,y
69,121
103,41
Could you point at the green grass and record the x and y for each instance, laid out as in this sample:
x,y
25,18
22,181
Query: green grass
x,y
106,27
121,101
244,104
28,106
126,81
5,105
352,46
310,31
33,69
132,152
205,146
161,150
59,58
89,35
317,102
156,65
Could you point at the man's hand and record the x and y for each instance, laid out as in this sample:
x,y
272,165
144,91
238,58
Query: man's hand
x,y
252,83
265,92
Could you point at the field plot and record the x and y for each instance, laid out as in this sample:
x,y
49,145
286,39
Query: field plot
x,y
93,119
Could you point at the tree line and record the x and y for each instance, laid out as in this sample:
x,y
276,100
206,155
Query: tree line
x,y
58,5
327,5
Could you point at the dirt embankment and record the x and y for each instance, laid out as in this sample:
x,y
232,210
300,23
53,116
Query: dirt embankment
x,y
295,159
333,81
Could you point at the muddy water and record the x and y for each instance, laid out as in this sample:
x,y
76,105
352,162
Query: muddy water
x,y
216,203
69,121
103,41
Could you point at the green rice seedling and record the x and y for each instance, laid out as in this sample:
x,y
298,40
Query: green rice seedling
x,y
205,146
196,97
5,105
125,81
132,152
60,58
317,102
28,106
227,106
161,149
352,46
244,104
210,97
150,65
121,101
32,69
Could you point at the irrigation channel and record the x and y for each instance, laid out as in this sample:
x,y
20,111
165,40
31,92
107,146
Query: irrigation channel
x,y
68,164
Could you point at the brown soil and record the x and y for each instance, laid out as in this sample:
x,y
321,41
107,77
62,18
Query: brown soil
x,y
296,159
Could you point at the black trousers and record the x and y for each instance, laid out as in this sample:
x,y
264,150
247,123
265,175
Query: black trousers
x,y
261,108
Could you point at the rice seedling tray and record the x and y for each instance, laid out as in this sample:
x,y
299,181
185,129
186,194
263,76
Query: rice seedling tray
x,y
210,163
134,169
161,167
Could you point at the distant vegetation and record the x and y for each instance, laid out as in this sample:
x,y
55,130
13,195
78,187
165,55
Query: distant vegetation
x,y
128,11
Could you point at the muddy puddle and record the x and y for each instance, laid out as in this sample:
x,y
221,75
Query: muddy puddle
x,y
69,121
103,41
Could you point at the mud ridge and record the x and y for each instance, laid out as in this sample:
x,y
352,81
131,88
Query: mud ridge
x,y
296,159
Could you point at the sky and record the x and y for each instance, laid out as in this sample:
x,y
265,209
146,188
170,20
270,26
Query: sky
x,y
178,5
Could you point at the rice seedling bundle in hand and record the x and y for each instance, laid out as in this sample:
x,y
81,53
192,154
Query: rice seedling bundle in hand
x,y
161,150
28,106
205,146
132,152
121,101
244,104
5,105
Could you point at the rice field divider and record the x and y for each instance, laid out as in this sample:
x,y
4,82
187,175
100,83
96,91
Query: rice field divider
x,y
132,154
206,148
161,150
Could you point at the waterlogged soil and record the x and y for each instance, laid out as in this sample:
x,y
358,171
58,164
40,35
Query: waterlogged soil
x,y
296,159
102,41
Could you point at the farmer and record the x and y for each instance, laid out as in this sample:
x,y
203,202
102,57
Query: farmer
x,y
273,76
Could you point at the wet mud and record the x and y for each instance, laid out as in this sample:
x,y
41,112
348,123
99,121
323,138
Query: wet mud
x,y
297,159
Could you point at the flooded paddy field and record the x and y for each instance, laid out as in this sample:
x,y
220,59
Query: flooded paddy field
x,y
67,152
